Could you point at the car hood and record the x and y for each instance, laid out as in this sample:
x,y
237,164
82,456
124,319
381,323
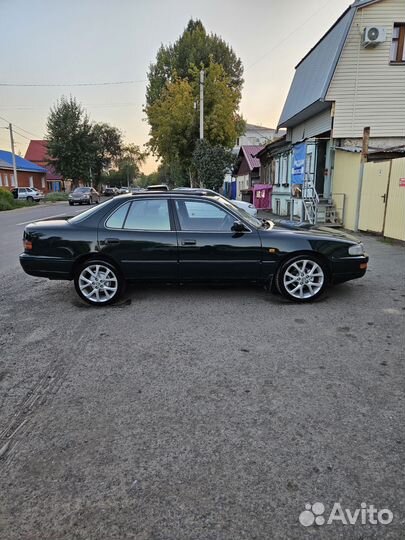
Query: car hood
x,y
314,232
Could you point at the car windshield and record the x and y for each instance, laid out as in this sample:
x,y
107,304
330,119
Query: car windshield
x,y
82,190
87,213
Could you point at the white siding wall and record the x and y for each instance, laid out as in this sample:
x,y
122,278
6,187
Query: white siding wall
x,y
368,91
313,126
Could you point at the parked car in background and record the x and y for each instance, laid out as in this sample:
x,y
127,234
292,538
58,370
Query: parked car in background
x,y
158,187
123,190
110,191
27,194
247,207
186,237
84,195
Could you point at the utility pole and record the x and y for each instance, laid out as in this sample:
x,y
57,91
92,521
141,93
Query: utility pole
x,y
202,104
10,127
363,160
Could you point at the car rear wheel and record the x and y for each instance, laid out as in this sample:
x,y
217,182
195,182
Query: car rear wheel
x,y
98,283
302,278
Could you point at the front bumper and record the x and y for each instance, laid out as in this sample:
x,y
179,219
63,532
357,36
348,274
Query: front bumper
x,y
48,267
349,268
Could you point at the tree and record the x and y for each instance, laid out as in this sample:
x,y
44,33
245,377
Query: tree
x,y
211,163
129,162
175,125
193,48
107,142
173,92
70,140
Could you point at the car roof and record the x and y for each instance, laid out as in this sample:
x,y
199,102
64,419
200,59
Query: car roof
x,y
197,194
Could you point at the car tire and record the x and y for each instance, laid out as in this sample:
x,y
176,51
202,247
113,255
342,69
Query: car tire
x,y
99,283
302,278
90,201
30,199
71,203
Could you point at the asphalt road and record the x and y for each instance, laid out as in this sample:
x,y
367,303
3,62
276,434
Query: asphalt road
x,y
201,412
12,225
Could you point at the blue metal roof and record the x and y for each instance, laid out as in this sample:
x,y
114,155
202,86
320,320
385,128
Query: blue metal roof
x,y
6,161
314,73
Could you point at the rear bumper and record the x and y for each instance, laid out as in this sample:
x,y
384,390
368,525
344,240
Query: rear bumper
x,y
48,267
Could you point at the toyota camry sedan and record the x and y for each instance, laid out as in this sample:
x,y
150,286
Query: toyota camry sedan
x,y
185,237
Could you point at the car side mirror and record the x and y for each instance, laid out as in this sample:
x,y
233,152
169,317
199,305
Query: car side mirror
x,y
238,226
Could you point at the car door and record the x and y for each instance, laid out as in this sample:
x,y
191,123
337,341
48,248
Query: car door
x,y
22,193
140,236
208,247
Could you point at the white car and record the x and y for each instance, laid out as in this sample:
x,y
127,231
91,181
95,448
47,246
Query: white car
x,y
247,207
27,194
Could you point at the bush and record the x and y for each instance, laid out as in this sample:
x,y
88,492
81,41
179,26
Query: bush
x,y
7,201
56,196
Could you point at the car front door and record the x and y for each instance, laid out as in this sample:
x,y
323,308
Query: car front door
x,y
208,247
140,236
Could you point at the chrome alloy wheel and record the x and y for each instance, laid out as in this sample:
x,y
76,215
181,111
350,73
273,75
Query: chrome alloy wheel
x,y
303,278
98,283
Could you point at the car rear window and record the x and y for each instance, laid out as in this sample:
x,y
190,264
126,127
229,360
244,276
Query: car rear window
x,y
116,220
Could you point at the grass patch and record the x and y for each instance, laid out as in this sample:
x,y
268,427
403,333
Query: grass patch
x,y
56,196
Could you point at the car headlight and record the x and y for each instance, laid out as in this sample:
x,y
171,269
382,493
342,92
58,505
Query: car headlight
x,y
357,249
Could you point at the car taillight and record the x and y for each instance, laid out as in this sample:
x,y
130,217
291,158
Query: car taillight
x,y
27,245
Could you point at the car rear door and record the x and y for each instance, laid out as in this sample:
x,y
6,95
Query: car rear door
x,y
208,247
140,236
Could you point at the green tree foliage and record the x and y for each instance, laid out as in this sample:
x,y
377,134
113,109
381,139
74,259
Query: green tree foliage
x,y
173,92
70,140
175,123
107,141
211,163
129,162
194,47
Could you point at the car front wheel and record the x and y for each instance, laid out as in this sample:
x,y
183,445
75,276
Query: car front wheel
x,y
302,278
98,283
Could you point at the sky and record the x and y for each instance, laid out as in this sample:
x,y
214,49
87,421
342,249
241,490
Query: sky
x,y
70,42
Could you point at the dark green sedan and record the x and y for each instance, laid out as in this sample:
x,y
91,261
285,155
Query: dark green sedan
x,y
182,237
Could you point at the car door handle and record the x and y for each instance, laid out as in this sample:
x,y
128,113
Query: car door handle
x,y
111,241
188,242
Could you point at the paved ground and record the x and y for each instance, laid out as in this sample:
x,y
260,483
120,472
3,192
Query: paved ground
x,y
201,412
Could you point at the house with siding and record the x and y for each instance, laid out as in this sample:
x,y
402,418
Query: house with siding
x,y
28,174
353,78
247,172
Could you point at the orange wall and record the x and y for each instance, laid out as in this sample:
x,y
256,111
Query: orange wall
x,y
24,179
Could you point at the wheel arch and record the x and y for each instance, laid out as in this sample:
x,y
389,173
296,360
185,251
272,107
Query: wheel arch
x,y
314,254
95,257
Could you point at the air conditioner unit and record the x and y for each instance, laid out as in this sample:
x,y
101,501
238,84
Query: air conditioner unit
x,y
373,35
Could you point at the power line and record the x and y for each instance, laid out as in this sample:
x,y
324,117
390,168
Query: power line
x,y
287,36
113,83
19,127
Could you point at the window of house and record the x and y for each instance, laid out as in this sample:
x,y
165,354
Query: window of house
x,y
1,181
31,181
397,55
12,180
5,180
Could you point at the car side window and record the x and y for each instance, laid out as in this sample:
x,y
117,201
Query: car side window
x,y
203,216
148,215
117,219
